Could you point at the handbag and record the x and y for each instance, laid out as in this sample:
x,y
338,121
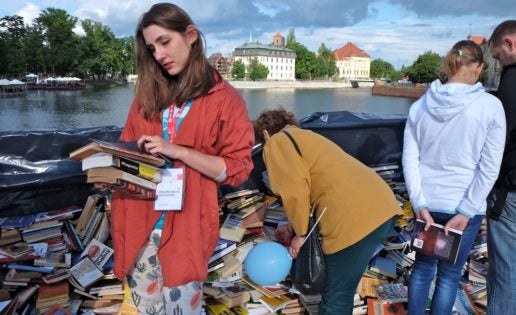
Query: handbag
x,y
308,272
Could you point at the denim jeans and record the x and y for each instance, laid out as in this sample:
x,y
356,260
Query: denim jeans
x,y
501,244
447,275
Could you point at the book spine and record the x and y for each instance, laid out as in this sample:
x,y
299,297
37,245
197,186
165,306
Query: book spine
x,y
134,190
137,168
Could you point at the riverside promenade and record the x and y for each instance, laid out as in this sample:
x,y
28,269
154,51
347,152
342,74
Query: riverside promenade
x,y
289,84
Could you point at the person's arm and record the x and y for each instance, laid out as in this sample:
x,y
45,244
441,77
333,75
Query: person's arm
x,y
488,167
410,162
290,179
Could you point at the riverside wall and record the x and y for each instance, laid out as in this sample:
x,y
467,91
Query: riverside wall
x,y
289,84
399,91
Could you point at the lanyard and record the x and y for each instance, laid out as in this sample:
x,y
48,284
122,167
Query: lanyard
x,y
172,119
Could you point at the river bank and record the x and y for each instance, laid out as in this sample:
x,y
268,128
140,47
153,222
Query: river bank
x,y
289,84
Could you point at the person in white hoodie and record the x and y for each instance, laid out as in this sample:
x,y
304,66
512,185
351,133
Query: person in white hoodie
x,y
453,146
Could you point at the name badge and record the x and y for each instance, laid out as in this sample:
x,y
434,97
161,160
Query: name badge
x,y
170,191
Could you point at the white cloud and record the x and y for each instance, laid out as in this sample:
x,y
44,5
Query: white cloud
x,y
29,12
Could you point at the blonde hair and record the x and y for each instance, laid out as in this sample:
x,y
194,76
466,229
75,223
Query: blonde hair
x,y
463,53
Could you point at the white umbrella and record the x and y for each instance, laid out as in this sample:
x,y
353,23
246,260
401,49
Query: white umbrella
x,y
5,82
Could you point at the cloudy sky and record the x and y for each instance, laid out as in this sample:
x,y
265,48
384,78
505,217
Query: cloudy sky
x,y
395,30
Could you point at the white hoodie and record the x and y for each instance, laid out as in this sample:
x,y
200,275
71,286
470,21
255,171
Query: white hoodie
x,y
453,146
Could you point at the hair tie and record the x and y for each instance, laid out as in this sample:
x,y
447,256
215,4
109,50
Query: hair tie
x,y
459,52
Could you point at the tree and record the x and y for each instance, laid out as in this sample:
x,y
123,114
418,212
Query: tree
x,y
291,37
381,69
328,65
238,71
62,43
34,49
13,57
256,70
307,64
426,68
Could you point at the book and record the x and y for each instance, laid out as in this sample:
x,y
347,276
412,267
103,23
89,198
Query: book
x,y
16,250
123,149
60,214
269,291
17,221
103,159
87,213
57,276
9,236
86,272
276,303
435,243
392,292
366,286
232,229
383,266
240,193
222,252
98,252
244,202
377,307
63,260
110,175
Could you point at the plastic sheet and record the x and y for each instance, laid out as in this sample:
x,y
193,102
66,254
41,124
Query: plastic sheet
x,y
36,174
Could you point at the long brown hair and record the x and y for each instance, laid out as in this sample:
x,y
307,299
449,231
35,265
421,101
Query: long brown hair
x,y
155,88
463,53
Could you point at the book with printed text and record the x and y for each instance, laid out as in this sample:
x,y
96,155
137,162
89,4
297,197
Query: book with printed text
x,y
103,159
435,243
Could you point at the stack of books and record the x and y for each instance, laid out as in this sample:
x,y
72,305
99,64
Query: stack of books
x,y
123,166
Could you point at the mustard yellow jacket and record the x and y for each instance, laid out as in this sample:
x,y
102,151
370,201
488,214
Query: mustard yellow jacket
x,y
357,199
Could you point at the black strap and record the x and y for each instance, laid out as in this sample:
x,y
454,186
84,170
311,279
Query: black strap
x,y
293,142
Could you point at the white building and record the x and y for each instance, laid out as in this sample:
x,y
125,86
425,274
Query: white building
x,y
280,61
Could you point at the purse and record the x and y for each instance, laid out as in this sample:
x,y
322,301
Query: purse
x,y
308,272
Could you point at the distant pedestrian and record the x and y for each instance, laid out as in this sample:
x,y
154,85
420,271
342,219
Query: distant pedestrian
x,y
501,237
183,110
453,146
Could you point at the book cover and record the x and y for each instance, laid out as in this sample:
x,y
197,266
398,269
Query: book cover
x,y
85,272
232,229
392,292
125,149
16,250
98,252
376,307
110,175
276,303
435,243
17,221
221,253
128,165
240,193
63,260
87,213
383,266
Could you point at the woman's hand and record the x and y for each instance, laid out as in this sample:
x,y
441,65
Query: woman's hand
x,y
458,222
156,145
295,245
284,233
425,216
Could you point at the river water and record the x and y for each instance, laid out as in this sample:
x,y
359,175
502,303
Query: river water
x,y
108,105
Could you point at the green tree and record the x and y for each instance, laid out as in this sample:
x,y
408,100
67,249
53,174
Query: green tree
x,y
381,69
426,68
62,44
98,50
34,49
307,64
12,34
291,37
238,71
256,70
327,64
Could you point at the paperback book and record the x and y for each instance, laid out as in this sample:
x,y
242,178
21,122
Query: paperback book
x,y
434,242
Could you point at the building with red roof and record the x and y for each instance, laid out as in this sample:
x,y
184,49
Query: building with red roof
x,y
352,62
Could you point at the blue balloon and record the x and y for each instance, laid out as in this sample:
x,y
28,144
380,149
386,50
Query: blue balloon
x,y
267,263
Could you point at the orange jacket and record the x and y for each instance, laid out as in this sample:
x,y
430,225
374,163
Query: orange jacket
x,y
217,124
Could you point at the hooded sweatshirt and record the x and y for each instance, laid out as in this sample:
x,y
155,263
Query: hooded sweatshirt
x,y
453,146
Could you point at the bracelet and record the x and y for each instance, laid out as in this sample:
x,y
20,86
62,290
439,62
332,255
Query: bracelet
x,y
222,175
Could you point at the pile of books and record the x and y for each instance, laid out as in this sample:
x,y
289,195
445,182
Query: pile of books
x,y
123,166
59,261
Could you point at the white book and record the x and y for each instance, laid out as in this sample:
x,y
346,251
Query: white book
x,y
98,252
